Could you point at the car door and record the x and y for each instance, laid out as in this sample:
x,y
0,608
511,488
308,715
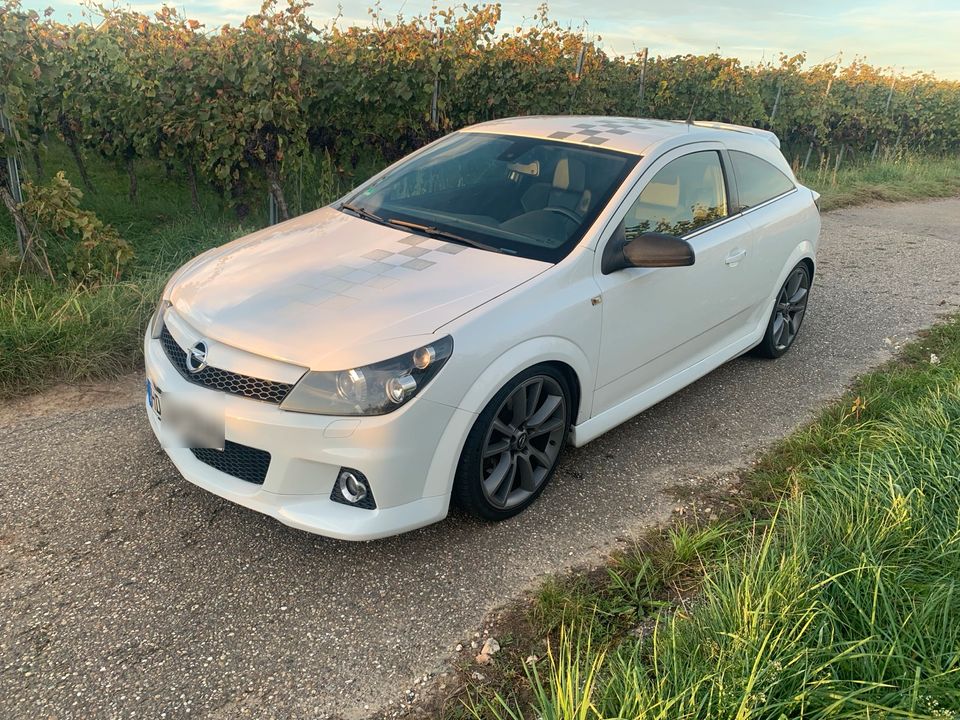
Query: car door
x,y
658,322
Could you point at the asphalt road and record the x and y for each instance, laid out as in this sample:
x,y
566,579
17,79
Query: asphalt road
x,y
127,592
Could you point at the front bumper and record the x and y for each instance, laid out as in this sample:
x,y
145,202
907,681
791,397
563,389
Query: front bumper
x,y
408,457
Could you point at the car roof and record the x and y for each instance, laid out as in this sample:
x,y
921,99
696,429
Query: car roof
x,y
636,136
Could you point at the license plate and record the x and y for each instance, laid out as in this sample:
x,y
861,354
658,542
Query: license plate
x,y
153,397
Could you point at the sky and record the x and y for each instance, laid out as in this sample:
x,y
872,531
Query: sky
x,y
906,35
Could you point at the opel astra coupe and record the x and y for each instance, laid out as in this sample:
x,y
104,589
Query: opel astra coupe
x,y
441,332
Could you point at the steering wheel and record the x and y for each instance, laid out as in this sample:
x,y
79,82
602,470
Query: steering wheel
x,y
569,214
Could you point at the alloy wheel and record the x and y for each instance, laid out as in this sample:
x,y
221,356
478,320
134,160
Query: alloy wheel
x,y
791,306
523,442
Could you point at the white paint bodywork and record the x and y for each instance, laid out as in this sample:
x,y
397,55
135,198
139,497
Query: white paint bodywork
x,y
303,295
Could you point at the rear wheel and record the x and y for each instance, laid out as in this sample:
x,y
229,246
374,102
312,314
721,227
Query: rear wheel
x,y
787,315
514,446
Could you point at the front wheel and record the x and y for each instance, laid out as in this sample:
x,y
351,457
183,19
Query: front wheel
x,y
787,315
514,446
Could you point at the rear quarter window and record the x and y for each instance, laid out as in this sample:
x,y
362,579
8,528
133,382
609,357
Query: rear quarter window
x,y
757,180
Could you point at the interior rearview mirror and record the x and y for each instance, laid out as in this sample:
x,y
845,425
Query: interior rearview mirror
x,y
649,250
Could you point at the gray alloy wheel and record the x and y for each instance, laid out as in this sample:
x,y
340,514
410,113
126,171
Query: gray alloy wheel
x,y
791,306
523,442
788,312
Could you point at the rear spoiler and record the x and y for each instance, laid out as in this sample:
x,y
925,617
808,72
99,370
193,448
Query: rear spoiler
x,y
769,136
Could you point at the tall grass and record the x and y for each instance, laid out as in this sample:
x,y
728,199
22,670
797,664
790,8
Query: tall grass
x,y
63,333
50,333
891,178
842,602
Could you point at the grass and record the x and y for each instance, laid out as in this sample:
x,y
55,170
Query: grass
x,y
831,588
890,179
60,333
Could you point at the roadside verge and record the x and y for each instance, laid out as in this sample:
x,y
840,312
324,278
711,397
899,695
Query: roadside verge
x,y
825,582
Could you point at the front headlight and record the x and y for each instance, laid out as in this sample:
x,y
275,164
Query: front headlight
x,y
156,322
372,389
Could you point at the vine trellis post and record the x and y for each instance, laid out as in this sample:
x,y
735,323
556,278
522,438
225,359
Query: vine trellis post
x,y
823,110
643,77
13,175
886,113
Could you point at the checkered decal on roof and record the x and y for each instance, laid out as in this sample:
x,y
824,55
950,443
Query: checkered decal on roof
x,y
598,132
342,285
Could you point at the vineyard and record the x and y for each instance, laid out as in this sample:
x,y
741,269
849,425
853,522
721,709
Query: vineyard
x,y
241,107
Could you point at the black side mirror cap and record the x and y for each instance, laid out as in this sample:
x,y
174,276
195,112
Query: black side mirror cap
x,y
649,250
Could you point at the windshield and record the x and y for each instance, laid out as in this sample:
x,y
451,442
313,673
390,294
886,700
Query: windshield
x,y
525,196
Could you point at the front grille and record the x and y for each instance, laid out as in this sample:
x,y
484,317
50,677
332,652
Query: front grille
x,y
224,380
242,462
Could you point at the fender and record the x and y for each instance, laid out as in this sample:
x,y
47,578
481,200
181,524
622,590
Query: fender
x,y
510,363
805,250
549,348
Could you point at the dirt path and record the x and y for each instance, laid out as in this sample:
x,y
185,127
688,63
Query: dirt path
x,y
126,591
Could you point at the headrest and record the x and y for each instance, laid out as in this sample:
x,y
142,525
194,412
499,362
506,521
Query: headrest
x,y
661,193
569,175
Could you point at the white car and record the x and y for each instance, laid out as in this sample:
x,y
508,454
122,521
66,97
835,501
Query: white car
x,y
442,331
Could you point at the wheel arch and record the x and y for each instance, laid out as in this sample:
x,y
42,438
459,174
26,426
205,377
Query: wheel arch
x,y
573,382
561,353
804,252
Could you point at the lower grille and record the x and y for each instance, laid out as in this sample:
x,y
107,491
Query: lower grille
x,y
223,380
240,461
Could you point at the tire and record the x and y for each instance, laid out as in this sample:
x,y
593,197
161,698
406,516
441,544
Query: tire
x,y
515,445
789,309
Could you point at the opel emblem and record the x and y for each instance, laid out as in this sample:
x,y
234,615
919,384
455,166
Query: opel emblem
x,y
196,359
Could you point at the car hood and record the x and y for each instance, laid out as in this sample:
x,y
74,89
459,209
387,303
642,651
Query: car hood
x,y
316,290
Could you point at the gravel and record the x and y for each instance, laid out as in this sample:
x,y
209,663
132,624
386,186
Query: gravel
x,y
127,592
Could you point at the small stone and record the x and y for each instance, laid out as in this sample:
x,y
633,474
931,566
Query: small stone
x,y
473,644
478,676
490,646
531,659
459,647
482,659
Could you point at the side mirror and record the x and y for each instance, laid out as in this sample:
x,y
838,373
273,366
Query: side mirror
x,y
649,250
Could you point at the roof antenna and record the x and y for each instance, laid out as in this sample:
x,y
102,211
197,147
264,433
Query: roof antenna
x,y
693,106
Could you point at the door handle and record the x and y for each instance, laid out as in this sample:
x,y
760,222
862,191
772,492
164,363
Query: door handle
x,y
735,256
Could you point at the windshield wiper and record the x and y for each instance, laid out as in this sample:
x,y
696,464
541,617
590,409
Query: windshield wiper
x,y
362,212
436,232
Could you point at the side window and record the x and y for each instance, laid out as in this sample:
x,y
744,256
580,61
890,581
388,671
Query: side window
x,y
684,195
757,180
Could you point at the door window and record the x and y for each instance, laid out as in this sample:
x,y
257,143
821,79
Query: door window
x,y
684,195
757,180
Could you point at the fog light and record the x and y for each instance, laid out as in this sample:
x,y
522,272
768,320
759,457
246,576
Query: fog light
x,y
352,487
